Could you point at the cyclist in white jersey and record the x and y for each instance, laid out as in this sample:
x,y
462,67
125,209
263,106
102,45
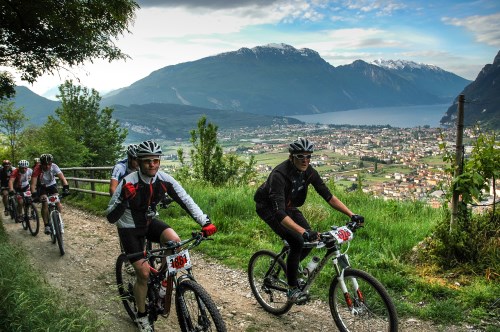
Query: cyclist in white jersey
x,y
19,182
123,168
46,173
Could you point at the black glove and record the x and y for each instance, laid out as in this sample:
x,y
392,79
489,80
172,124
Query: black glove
x,y
66,190
310,235
359,220
35,197
12,193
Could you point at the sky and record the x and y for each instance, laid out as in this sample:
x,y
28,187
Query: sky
x,y
456,35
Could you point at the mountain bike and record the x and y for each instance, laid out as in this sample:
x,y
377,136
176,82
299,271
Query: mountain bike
x,y
358,301
171,272
56,223
31,219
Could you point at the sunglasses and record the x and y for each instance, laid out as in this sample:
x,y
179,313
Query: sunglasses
x,y
149,161
302,156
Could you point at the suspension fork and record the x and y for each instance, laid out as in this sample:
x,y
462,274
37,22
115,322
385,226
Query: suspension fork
x,y
340,263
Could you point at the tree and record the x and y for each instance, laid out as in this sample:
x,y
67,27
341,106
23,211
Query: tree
x,y
95,129
209,163
44,36
12,120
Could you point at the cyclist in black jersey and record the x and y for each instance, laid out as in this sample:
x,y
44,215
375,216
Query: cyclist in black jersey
x,y
277,202
5,172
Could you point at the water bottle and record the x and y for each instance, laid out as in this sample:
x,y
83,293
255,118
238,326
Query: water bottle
x,y
162,293
311,265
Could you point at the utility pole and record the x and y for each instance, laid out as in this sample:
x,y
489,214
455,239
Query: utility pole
x,y
459,153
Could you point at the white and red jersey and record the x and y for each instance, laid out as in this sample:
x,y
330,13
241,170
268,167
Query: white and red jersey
x,y
21,180
47,178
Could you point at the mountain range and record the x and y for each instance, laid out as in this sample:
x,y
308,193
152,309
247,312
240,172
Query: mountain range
x,y
278,79
482,99
260,86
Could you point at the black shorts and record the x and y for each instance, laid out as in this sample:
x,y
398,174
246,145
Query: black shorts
x,y
44,190
133,239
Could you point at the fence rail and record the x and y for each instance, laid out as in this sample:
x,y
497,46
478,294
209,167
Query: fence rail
x,y
93,175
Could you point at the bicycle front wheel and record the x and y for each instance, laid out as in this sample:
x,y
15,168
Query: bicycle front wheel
x,y
56,222
33,219
125,279
24,220
195,309
365,307
268,281
12,209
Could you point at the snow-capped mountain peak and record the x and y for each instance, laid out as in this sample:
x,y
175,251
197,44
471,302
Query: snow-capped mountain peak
x,y
403,64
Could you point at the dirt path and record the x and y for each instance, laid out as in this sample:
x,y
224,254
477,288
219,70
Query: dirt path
x,y
86,273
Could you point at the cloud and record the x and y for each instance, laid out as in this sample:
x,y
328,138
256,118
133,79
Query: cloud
x,y
486,29
213,4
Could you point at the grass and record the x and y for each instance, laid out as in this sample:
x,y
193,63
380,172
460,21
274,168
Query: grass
x,y
28,303
386,248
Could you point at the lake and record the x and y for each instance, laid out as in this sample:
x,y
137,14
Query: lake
x,y
400,116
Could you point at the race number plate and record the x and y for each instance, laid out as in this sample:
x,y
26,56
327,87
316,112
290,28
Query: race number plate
x,y
178,262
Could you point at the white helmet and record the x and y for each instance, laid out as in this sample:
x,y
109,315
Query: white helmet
x,y
148,148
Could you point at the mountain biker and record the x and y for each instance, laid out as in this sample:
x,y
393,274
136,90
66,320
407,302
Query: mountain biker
x,y
20,182
277,201
4,183
133,208
123,168
45,175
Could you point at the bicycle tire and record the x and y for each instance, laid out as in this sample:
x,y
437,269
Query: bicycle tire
x,y
125,280
24,221
372,308
12,210
269,287
33,219
53,238
56,221
196,311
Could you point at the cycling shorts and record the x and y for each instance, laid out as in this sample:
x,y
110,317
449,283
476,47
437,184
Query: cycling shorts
x,y
133,239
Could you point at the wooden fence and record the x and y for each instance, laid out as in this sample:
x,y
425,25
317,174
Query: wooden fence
x,y
76,176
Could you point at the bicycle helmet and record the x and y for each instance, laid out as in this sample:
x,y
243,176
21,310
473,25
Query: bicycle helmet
x,y
37,160
23,163
301,145
132,151
148,148
46,158
6,163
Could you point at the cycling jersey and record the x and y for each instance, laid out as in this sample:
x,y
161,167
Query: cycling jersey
x,y
120,170
286,188
149,192
5,176
46,178
21,180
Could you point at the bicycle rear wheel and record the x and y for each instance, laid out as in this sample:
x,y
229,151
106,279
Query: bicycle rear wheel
x,y
33,219
196,310
56,222
268,281
367,307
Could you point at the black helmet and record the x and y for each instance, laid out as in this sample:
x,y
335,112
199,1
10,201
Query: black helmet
x,y
46,158
301,145
132,151
148,148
